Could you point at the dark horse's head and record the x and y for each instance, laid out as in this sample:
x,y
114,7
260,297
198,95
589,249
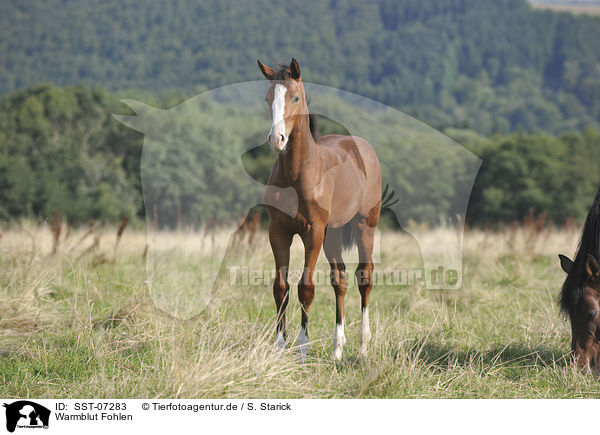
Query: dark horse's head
x,y
580,295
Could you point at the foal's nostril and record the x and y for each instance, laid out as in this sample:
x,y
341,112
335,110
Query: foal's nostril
x,y
281,137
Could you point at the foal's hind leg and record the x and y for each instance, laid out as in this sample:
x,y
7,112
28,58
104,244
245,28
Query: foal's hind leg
x,y
333,251
364,233
280,243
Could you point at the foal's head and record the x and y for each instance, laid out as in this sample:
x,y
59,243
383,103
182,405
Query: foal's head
x,y
286,100
584,310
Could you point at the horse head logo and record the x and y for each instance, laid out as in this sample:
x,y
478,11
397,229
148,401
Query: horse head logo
x,y
26,413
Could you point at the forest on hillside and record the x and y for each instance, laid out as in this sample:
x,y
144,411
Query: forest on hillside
x,y
519,87
61,150
491,66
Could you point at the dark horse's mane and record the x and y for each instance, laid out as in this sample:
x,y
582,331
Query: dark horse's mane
x,y
589,243
282,73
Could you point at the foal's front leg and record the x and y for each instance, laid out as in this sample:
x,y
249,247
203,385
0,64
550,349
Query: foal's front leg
x,y
313,240
280,243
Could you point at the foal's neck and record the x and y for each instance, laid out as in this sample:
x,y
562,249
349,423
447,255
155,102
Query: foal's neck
x,y
301,151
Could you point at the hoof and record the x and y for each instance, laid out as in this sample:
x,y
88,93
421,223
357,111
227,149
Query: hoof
x,y
337,353
303,355
363,343
279,343
362,352
303,346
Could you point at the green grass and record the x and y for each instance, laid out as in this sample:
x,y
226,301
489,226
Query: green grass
x,y
69,328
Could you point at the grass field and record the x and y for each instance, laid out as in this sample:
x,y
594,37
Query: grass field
x,y
74,325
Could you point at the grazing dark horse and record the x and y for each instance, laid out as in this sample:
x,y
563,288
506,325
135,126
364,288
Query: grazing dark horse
x,y
580,295
337,180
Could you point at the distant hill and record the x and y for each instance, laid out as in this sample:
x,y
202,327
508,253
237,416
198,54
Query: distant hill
x,y
492,66
591,7
566,2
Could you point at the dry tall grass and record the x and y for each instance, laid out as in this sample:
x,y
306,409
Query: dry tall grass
x,y
72,325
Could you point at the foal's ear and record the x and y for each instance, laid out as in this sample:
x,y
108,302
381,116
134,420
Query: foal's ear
x,y
565,263
591,266
267,72
295,69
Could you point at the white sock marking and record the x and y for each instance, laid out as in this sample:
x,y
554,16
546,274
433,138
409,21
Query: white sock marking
x,y
365,333
339,339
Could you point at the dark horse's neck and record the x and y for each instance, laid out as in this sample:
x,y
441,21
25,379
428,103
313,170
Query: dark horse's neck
x,y
301,150
589,243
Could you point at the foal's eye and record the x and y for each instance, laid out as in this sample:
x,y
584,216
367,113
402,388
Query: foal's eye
x,y
295,100
592,315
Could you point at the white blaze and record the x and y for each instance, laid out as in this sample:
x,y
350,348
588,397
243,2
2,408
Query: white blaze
x,y
278,127
279,105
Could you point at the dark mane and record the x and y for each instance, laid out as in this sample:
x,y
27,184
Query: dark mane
x,y
588,244
314,126
282,72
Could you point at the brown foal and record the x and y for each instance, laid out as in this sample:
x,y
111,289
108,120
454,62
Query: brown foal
x,y
337,182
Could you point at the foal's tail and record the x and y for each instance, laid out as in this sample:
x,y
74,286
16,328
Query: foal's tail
x,y
388,199
347,236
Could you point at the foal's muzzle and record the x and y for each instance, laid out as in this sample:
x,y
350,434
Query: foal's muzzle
x,y
277,138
